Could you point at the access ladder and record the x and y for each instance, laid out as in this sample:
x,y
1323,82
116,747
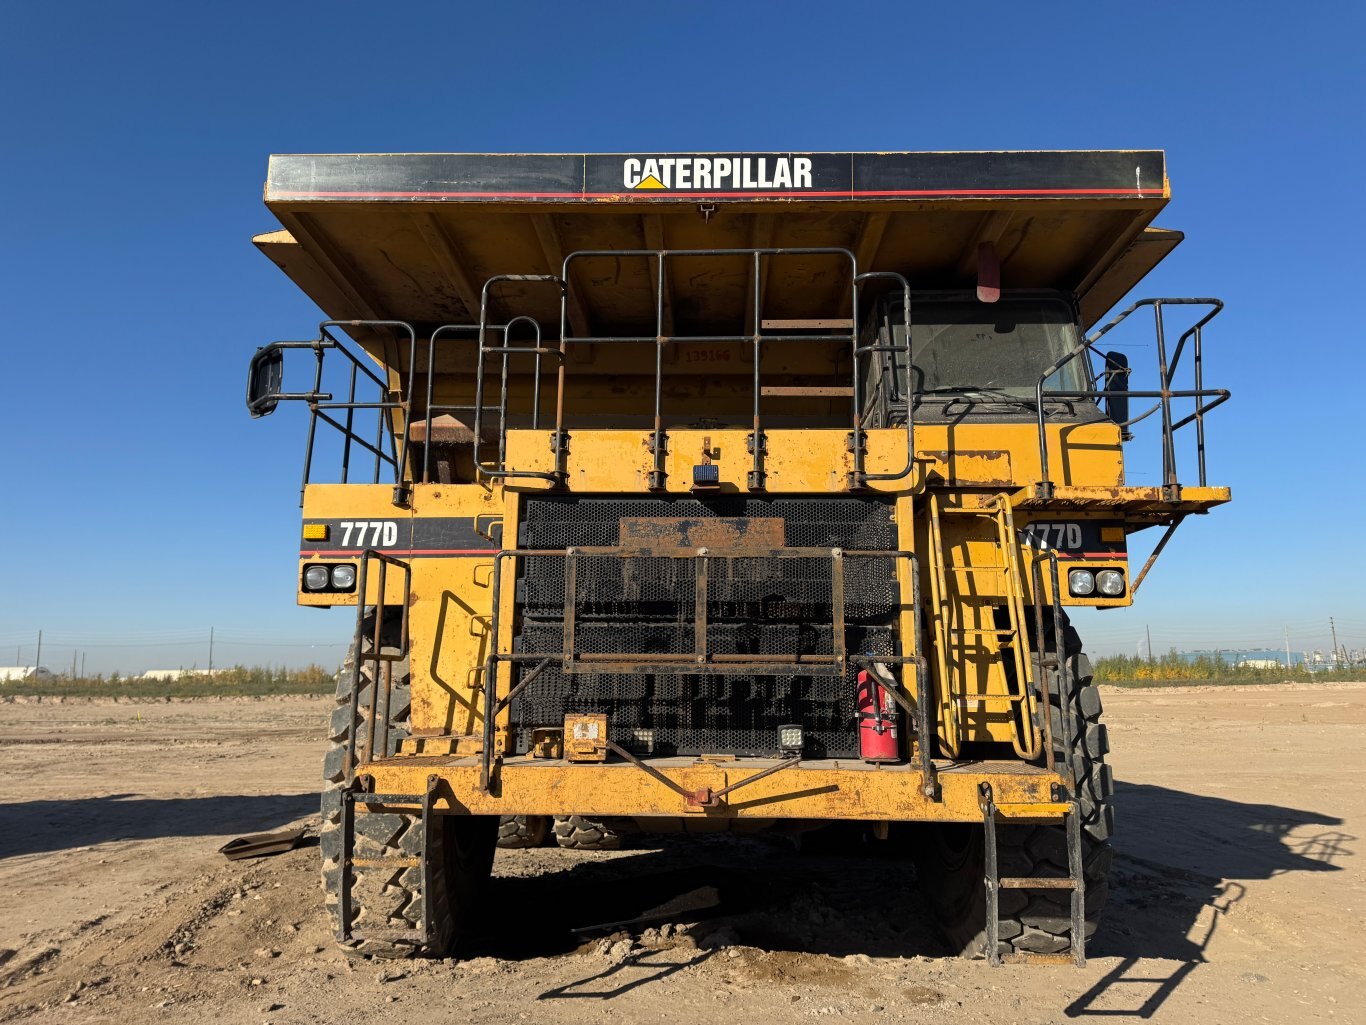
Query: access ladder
x,y
954,635
1075,880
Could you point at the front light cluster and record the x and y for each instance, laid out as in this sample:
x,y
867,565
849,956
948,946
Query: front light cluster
x,y
1083,583
338,577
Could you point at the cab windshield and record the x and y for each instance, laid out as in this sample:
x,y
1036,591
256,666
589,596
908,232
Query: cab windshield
x,y
983,352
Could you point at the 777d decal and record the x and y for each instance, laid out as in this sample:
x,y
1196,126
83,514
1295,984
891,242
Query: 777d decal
x,y
383,533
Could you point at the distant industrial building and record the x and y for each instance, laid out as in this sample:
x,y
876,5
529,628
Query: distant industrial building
x,y
178,674
18,674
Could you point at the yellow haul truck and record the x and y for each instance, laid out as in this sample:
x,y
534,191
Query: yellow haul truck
x,y
729,491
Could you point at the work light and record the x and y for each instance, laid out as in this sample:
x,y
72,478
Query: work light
x,y
1110,582
343,577
1081,582
791,739
315,578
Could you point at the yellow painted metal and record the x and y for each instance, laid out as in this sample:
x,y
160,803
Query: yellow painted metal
x,y
971,487
450,614
975,567
982,477
814,460
815,790
372,502
1042,812
1140,504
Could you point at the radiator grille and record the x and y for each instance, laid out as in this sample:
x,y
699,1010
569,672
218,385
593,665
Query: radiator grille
x,y
755,606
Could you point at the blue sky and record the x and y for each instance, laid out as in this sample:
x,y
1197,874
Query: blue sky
x,y
141,506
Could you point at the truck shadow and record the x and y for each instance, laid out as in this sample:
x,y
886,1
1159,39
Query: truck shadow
x,y
1182,862
37,827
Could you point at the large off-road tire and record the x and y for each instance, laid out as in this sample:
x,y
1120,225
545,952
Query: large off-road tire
x,y
459,848
951,858
577,833
517,831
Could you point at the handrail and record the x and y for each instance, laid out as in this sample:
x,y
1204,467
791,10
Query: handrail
x,y
862,477
376,741
1044,488
700,661
319,402
658,436
505,349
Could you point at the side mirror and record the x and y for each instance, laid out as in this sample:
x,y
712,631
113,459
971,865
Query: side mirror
x,y
1116,379
264,379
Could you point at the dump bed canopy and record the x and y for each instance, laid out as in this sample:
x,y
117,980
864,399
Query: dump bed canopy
x,y
414,236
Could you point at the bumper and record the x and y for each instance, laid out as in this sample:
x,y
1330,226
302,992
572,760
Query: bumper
x,y
809,790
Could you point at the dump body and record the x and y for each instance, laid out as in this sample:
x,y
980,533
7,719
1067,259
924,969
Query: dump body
x,y
689,471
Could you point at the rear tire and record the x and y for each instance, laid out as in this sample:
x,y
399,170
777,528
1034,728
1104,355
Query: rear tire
x,y
459,849
519,831
951,861
577,833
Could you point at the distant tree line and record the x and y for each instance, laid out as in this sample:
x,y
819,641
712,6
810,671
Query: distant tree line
x,y
247,681
1130,670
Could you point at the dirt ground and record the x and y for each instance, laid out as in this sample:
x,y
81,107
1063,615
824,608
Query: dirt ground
x,y
1238,894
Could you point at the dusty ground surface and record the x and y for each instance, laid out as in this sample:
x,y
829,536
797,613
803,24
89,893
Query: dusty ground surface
x,y
1239,893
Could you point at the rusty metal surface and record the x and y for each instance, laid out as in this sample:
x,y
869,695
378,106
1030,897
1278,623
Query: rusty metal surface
x,y
716,533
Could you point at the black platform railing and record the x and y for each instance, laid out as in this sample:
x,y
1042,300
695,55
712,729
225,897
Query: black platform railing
x,y
370,649
701,660
323,404
1112,369
660,339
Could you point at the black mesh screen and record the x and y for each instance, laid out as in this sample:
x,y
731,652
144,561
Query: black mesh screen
x,y
756,606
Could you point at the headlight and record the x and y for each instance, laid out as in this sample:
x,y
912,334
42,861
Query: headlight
x,y
1110,582
344,577
1081,582
316,578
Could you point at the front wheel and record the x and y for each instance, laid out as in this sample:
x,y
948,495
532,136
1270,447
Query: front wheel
x,y
388,899
951,860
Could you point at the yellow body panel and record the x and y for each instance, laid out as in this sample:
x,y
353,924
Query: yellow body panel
x,y
812,790
451,602
1000,456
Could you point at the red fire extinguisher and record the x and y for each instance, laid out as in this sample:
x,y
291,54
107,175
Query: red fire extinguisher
x,y
878,721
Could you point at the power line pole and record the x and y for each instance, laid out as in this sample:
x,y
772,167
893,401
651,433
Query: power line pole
x,y
210,651
1331,626
82,665
1287,647
73,663
38,659
1149,629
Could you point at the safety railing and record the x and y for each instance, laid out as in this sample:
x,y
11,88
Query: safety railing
x,y
264,393
1116,372
701,658
756,337
1058,663
374,648
496,340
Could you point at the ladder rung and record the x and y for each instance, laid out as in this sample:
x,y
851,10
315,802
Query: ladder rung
x,y
1036,883
386,862
977,631
981,699
1063,958
978,569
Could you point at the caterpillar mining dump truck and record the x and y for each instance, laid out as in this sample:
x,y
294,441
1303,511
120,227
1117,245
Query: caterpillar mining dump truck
x,y
698,492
